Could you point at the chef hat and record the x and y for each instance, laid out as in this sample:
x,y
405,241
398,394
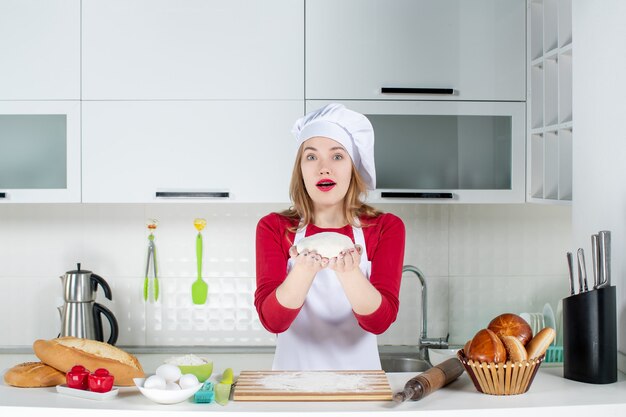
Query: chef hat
x,y
351,129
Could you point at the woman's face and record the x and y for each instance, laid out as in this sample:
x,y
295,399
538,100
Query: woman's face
x,y
326,170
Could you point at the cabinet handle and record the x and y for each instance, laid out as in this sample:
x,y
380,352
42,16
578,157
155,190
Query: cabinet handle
x,y
3,195
402,194
192,194
400,90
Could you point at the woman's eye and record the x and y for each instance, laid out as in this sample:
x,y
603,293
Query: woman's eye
x,y
338,157
310,157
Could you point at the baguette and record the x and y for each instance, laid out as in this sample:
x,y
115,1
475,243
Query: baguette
x,y
33,375
64,352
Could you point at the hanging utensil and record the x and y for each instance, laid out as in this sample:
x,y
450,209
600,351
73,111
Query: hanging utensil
x,y
199,288
570,267
152,225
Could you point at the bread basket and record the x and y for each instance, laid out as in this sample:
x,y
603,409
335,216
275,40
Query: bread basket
x,y
509,378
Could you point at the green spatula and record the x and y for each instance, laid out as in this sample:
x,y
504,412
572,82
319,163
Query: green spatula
x,y
199,288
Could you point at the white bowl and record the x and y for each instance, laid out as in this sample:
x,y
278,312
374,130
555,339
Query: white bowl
x,y
162,396
439,355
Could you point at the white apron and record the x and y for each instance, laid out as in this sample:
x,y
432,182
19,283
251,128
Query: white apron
x,y
325,335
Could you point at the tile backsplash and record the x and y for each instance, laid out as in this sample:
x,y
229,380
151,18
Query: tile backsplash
x,y
479,261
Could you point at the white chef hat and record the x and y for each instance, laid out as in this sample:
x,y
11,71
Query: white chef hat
x,y
351,129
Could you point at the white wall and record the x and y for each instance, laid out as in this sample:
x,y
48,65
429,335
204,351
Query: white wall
x,y
599,112
479,260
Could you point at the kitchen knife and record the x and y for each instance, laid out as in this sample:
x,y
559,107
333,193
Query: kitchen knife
x,y
595,260
604,244
582,271
570,266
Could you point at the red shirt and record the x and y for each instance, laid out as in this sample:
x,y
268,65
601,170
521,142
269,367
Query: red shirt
x,y
384,240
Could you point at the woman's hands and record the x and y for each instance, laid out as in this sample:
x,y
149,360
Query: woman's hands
x,y
361,294
309,261
347,261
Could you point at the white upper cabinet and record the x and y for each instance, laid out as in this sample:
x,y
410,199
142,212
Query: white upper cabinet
x,y
193,49
39,49
40,151
355,48
160,151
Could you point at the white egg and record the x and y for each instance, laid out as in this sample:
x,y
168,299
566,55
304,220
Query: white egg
x,y
154,382
172,386
188,381
170,373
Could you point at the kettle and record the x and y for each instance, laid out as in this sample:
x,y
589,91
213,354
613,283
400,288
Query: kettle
x,y
81,316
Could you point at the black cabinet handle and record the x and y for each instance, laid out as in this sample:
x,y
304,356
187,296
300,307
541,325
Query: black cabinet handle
x,y
399,90
403,194
192,194
3,195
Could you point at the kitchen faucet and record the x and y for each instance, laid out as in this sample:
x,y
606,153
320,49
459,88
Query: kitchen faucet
x,y
424,341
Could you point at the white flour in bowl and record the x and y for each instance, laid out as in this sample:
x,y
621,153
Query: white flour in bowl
x,y
186,360
314,382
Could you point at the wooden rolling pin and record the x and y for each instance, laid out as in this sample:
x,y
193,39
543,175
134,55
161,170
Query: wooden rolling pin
x,y
430,381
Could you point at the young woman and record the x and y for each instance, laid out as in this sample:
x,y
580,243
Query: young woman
x,y
327,312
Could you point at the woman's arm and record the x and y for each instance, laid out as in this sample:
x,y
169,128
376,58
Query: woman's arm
x,y
279,296
385,243
271,270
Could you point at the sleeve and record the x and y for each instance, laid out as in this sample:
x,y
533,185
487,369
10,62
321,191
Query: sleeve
x,y
272,254
387,241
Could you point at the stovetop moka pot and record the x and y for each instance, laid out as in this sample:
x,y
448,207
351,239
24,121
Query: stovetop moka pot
x,y
81,316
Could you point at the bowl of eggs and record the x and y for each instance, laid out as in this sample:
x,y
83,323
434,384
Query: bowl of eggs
x,y
168,385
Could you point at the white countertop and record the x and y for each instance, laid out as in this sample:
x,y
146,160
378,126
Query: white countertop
x,y
550,395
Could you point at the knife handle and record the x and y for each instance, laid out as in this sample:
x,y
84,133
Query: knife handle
x,y
582,271
604,243
595,258
570,267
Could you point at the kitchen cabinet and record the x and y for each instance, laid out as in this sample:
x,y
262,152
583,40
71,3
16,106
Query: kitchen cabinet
x,y
237,151
39,151
446,152
476,49
196,49
550,122
40,49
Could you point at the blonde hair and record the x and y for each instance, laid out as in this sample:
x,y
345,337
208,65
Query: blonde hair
x,y
302,208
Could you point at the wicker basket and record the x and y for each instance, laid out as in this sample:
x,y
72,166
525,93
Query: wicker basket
x,y
508,378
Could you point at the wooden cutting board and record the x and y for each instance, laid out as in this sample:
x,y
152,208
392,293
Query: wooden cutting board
x,y
312,386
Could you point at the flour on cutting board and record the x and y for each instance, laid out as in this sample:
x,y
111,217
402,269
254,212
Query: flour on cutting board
x,y
314,382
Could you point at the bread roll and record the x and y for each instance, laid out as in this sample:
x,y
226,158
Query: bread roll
x,y
327,244
515,351
510,324
33,375
487,347
65,352
466,347
540,343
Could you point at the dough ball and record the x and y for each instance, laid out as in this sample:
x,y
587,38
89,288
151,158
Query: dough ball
x,y
327,244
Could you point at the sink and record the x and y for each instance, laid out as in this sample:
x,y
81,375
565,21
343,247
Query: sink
x,y
403,363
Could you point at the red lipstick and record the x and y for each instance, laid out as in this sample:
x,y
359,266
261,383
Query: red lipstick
x,y
325,184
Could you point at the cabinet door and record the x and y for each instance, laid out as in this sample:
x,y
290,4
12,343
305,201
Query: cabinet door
x,y
40,151
39,49
196,49
132,150
445,152
476,48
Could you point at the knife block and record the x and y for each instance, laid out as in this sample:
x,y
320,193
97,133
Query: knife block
x,y
590,336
